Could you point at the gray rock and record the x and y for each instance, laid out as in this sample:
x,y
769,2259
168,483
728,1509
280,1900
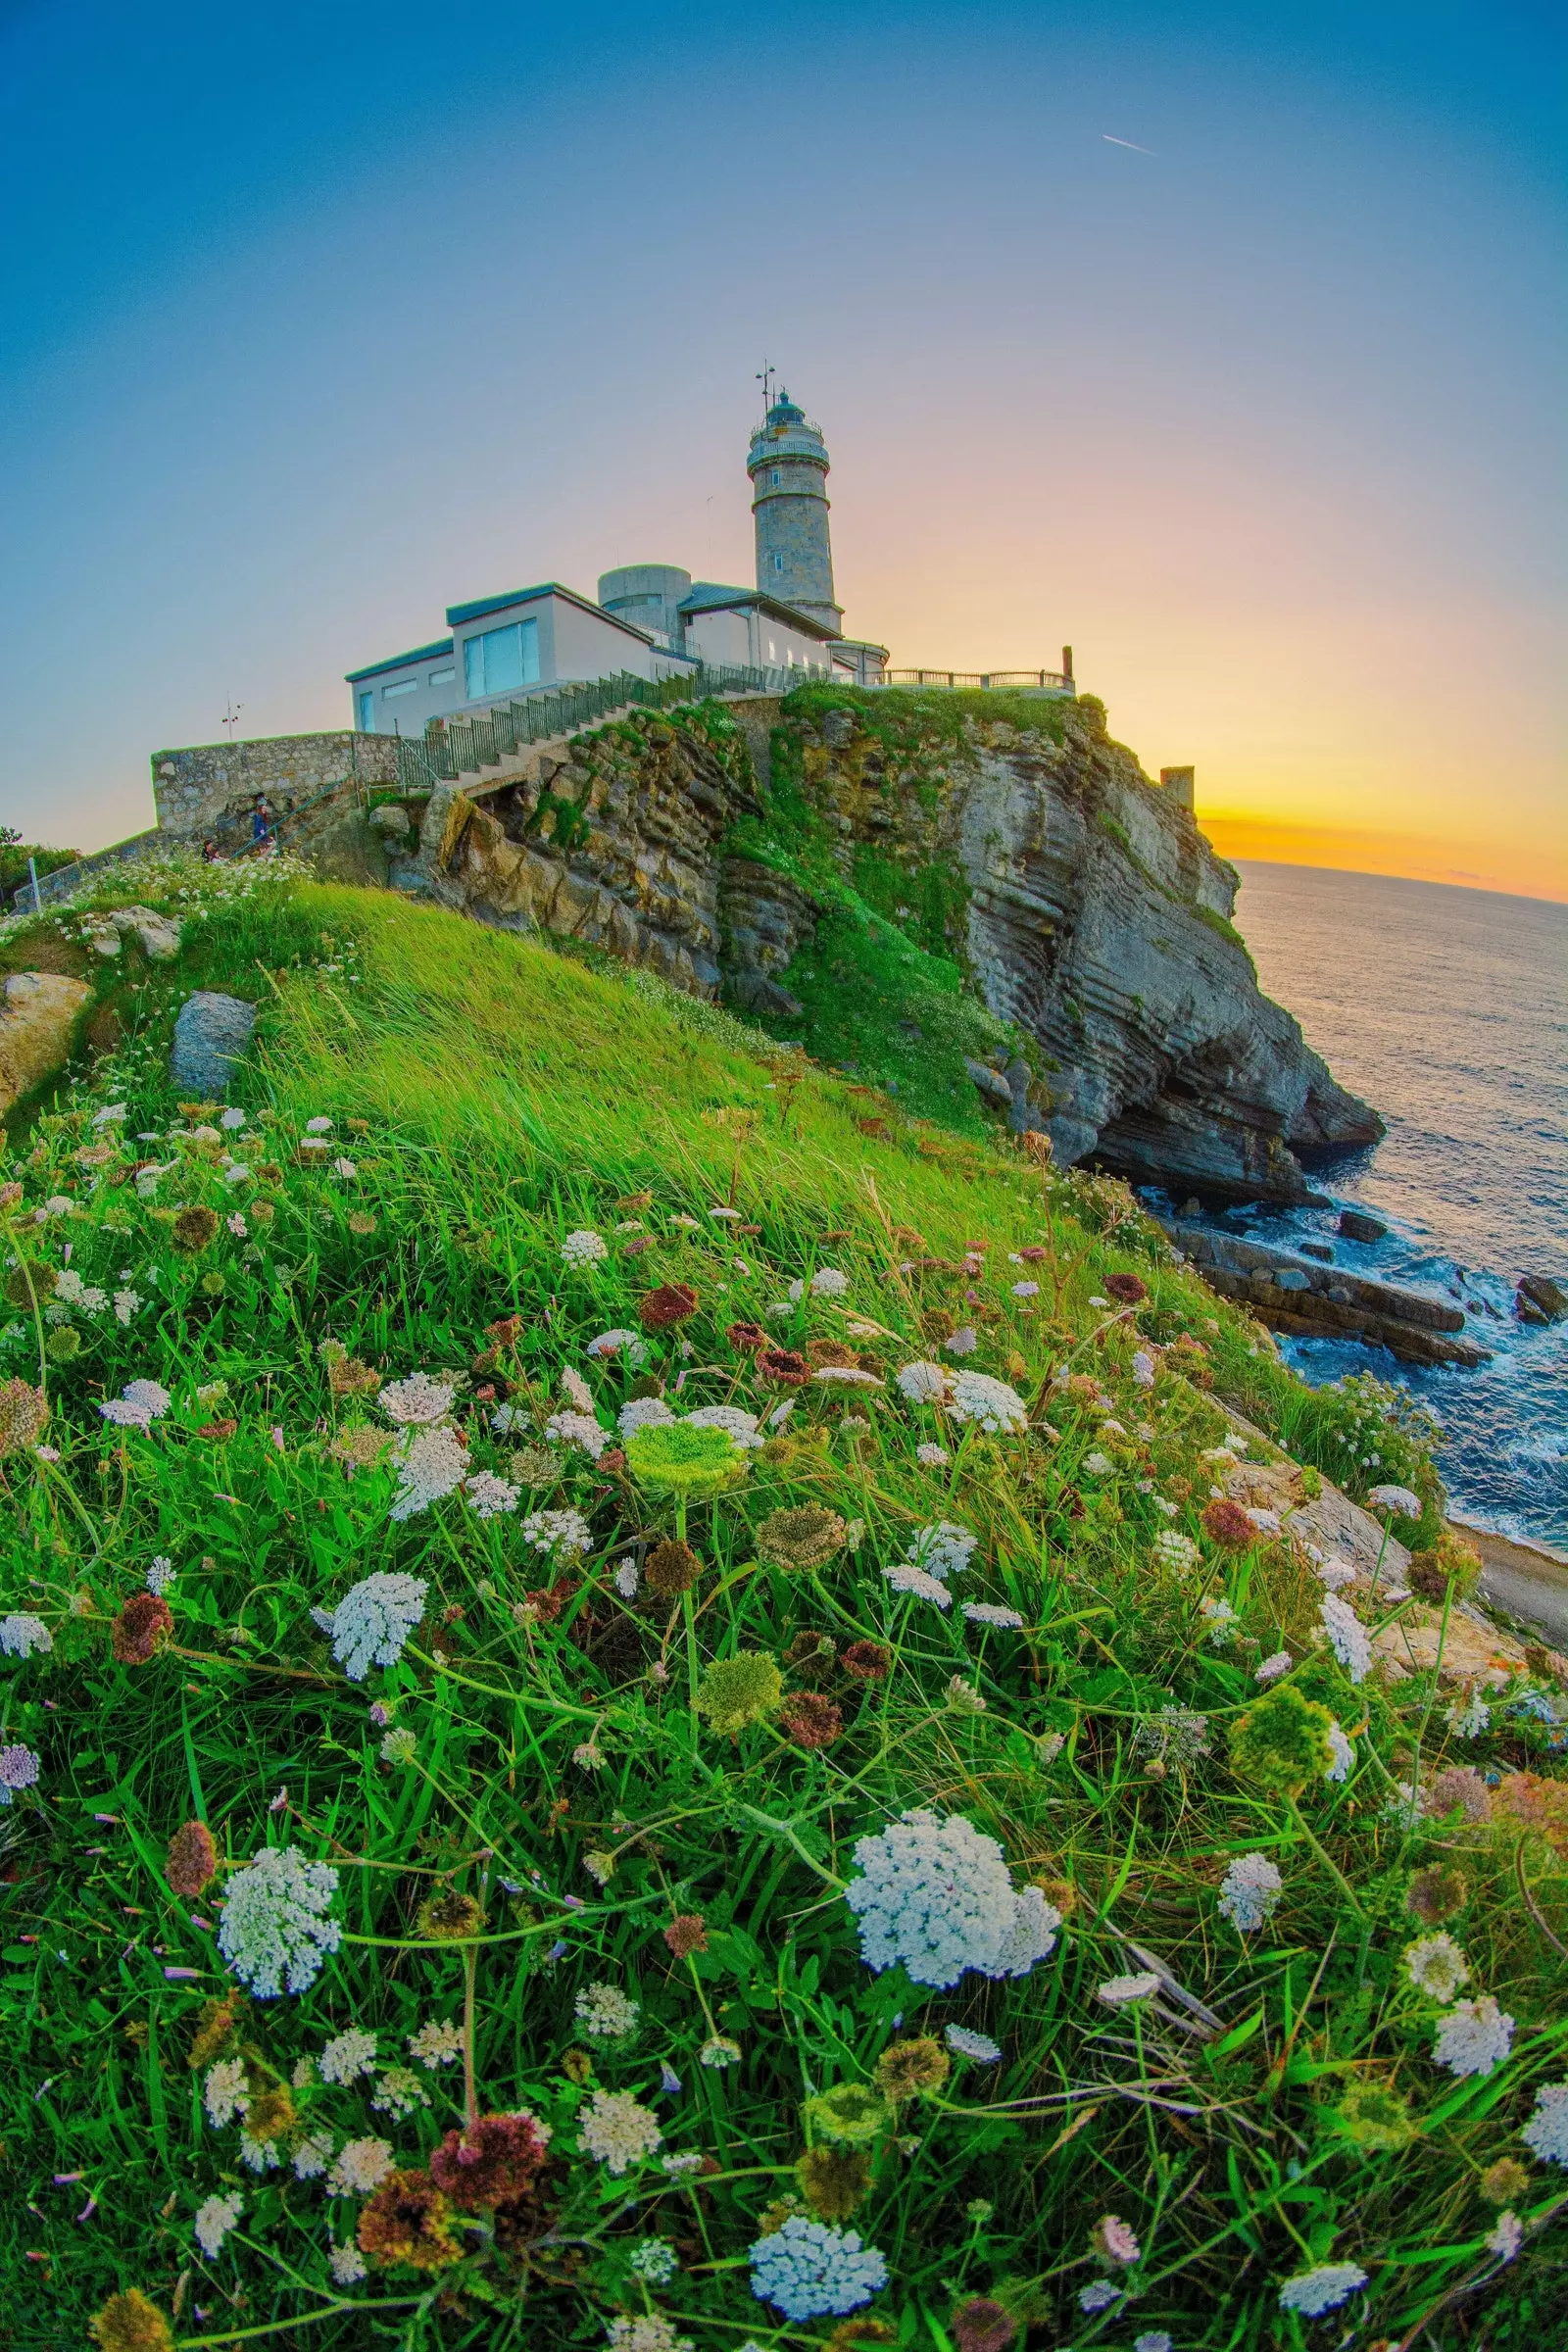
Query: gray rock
x,y
1545,1294
211,1034
1357,1226
392,820
1319,1251
1291,1278
989,1083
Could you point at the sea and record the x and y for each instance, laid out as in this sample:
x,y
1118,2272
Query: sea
x,y
1447,1009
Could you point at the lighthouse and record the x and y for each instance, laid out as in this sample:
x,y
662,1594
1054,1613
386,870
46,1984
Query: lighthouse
x,y
788,463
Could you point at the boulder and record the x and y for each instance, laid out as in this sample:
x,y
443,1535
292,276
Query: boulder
x,y
157,935
211,1034
393,821
989,1082
38,1012
1357,1226
1544,1295
1315,1301
1318,1249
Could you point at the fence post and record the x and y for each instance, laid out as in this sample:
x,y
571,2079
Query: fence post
x,y
33,876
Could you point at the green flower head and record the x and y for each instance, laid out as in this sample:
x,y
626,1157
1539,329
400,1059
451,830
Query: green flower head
x,y
1375,2118
672,1458
851,2114
1282,1741
736,1691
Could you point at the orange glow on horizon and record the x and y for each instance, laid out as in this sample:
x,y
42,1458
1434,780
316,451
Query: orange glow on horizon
x,y
1416,857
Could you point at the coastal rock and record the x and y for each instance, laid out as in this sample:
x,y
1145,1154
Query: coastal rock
x,y
211,1033
38,1012
1315,1301
1357,1226
158,936
1547,1297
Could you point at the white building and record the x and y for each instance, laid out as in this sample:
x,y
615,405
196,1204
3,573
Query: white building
x,y
651,618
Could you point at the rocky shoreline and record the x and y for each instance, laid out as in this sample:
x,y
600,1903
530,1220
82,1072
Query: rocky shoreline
x,y
1310,1300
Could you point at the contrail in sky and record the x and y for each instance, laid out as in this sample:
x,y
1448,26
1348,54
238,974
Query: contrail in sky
x,y
1131,143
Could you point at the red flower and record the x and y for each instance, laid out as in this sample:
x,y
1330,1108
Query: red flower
x,y
501,2157
867,1661
672,1303
1227,1524
687,1932
747,1336
784,1367
143,1625
1127,1288
811,1719
192,1858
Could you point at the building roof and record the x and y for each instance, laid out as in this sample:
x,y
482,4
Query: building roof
x,y
420,652
711,596
457,615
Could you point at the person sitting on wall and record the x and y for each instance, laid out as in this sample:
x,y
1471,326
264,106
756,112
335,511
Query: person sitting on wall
x,y
211,852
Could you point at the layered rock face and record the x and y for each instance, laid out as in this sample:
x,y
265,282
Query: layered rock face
x,y
1098,921
616,844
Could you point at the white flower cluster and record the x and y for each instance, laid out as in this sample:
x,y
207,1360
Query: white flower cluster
x,y
629,1345
937,1895
578,1429
215,2219
584,1248
1312,2293
1437,1966
904,1577
945,1549
1174,1551
808,2270
1349,1638
224,2093
1397,1499
963,2043
618,2130
606,2012
1547,2133
361,2167
556,1530
923,1383
418,1402
140,1404
347,2055
739,1427
489,1496
1251,1888
21,1636
827,1283
72,1291
374,1618
430,1463
1474,2038
649,2332
275,1927
989,1403
988,1612
643,1412
436,2044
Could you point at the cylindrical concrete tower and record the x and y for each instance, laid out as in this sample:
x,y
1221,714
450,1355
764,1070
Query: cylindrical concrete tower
x,y
788,466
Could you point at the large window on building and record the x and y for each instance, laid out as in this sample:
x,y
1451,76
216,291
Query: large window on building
x,y
389,694
501,659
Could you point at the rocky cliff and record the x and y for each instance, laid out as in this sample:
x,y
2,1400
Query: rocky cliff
x,y
922,885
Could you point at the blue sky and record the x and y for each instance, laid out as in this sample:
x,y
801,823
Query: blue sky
x,y
320,318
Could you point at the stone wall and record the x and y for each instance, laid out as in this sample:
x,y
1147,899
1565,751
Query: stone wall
x,y
208,789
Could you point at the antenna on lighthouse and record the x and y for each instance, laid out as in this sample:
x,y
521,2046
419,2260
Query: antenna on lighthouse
x,y
766,380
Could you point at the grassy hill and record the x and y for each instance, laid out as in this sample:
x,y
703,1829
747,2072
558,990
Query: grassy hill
x,y
590,1858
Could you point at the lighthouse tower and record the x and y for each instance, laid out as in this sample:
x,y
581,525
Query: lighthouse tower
x,y
788,465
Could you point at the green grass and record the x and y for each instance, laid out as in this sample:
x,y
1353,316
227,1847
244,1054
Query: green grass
x,y
494,1097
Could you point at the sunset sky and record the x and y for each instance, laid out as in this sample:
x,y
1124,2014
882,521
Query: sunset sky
x,y
320,319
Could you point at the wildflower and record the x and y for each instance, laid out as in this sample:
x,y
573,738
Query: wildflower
x,y
22,1636
1460,1789
409,2221
225,2094
374,1619
1174,1551
923,1383
905,1578
990,1403
129,2323
449,1918
362,2166
1436,1894
672,1304
347,2055
644,1413
907,2070
436,2044
1251,1888
194,1229
275,1926
867,1661
739,1427
718,2050
584,1248
556,1530
1113,2239
1396,1499
1226,1523
24,1410
418,1402
1116,1991
652,2259
578,1429
629,1345
618,2130
499,2157
313,2156
987,1612
676,1458
1269,1670
606,2012
678,2167
215,2219
811,1719
962,1342
1098,1465
1219,1620
1436,1967
489,1496
806,2270
191,1862
347,2265
1312,2293
140,1404
966,2044
1099,2295
1547,2133
1474,2038
19,1769
143,1627
936,1895
430,1463
827,1283
933,1458
160,1575
1143,1369
943,1549
736,1691
651,2332
320,1125
1283,1741
1348,1637
1175,1734
1469,1717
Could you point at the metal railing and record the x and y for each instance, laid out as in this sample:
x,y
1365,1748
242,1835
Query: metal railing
x,y
1047,681
458,747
